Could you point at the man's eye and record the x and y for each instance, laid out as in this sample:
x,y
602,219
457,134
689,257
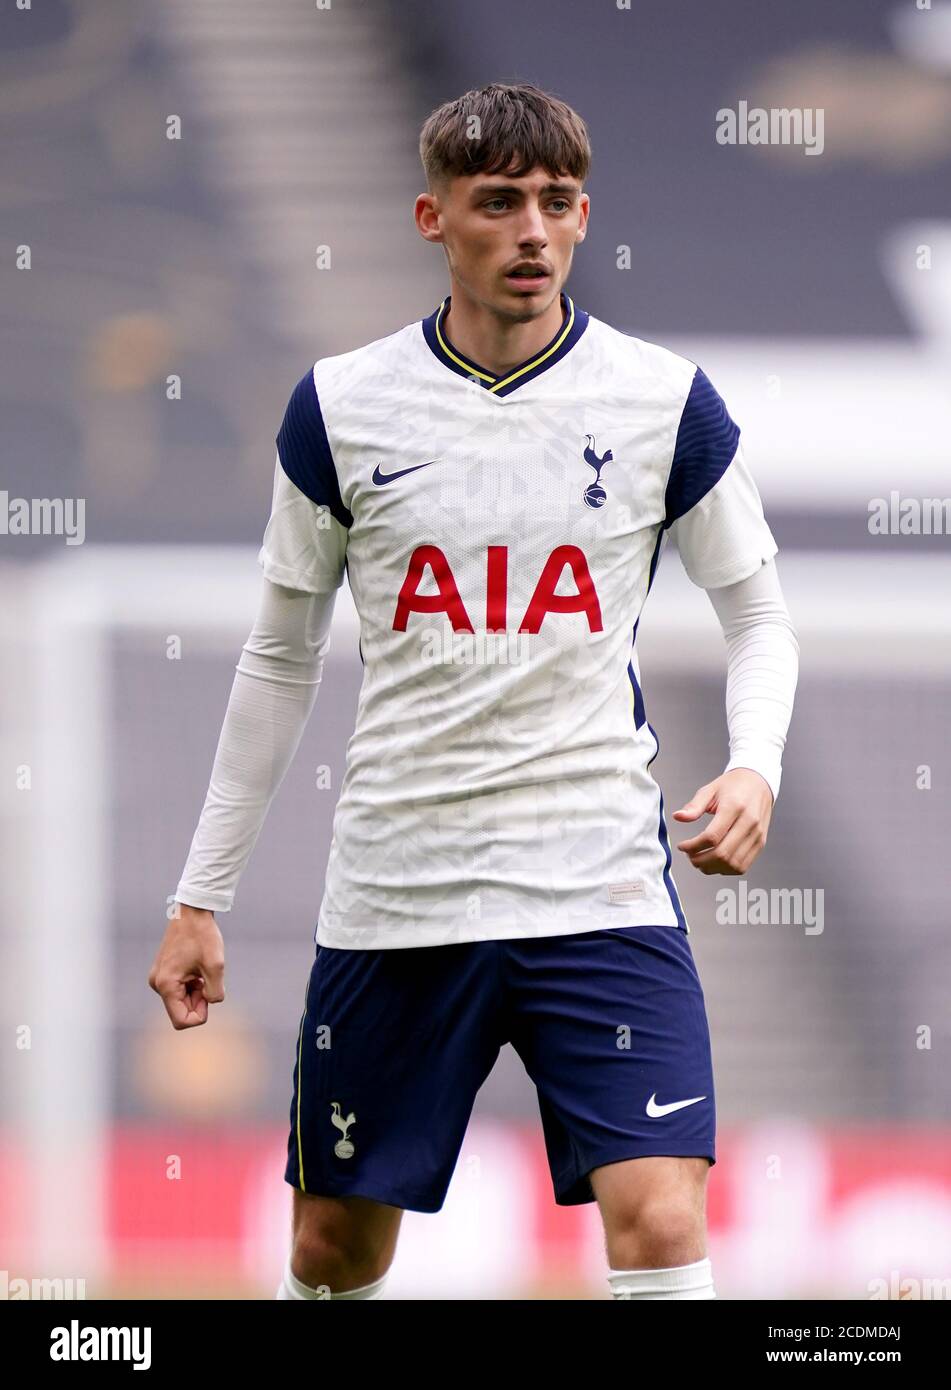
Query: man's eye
x,y
557,204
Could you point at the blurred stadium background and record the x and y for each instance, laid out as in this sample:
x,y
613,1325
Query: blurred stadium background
x,y
150,1163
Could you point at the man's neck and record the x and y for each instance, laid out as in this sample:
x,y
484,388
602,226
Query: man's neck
x,y
497,344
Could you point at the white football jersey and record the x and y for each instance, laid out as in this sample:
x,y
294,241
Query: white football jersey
x,y
500,536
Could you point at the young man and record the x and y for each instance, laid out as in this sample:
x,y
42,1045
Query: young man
x,y
497,480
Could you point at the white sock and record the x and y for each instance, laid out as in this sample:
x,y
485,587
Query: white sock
x,y
678,1281
291,1287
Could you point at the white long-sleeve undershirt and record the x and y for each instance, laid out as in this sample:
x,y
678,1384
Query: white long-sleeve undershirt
x,y
762,671
273,693
281,665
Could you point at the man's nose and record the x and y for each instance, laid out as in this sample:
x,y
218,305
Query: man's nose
x,y
532,226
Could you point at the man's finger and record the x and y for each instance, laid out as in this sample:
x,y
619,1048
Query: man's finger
x,y
698,803
712,834
213,972
185,1008
744,850
177,1010
727,855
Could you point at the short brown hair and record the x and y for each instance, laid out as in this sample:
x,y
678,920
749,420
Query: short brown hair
x,y
518,122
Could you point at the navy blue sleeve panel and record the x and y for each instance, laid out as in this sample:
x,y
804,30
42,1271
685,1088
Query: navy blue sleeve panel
x,y
706,442
304,451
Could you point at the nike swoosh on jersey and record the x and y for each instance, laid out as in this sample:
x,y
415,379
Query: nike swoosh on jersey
x,y
655,1110
382,478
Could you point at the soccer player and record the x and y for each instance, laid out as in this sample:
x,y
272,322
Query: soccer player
x,y
497,479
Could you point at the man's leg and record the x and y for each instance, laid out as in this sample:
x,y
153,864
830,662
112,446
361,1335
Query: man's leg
x,y
612,1028
654,1214
342,1247
393,1045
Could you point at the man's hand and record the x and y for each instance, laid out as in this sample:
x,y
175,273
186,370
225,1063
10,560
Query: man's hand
x,y
188,971
742,803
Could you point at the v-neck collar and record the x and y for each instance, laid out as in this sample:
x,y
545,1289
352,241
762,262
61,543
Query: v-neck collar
x,y
573,324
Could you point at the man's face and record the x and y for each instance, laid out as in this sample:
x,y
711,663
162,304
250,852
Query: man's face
x,y
493,225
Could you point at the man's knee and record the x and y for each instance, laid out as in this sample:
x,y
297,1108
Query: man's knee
x,y
663,1224
342,1242
654,1212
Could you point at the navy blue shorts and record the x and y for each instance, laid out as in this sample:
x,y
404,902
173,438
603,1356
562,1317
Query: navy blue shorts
x,y
394,1044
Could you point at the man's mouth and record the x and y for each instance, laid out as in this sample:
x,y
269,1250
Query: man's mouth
x,y
529,275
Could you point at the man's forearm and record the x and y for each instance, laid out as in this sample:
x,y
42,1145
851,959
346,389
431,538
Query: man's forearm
x,y
273,693
762,671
